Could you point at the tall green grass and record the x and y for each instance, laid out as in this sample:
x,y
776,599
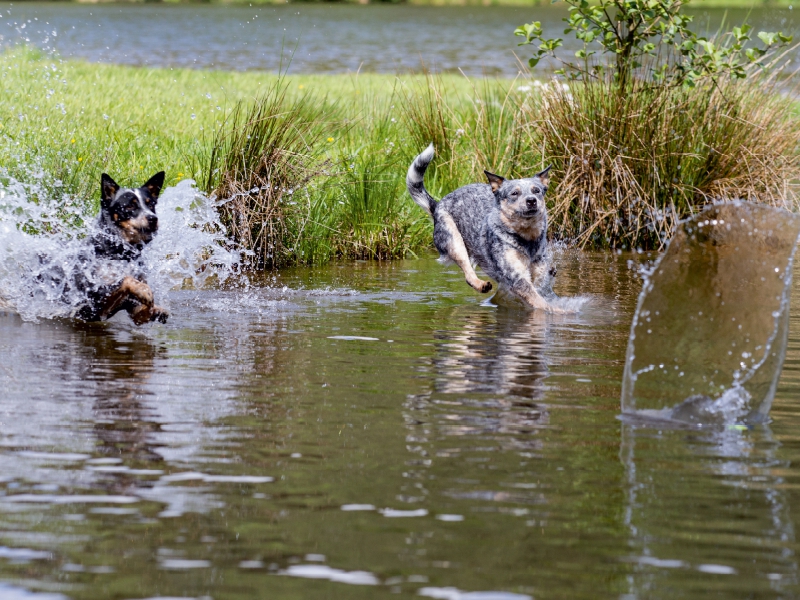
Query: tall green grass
x,y
307,169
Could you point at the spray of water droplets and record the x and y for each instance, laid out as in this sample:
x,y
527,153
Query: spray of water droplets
x,y
47,263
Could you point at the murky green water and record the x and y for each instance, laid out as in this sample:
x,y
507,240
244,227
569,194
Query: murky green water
x,y
247,449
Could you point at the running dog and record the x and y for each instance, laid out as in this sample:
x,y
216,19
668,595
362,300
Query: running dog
x,y
126,224
501,226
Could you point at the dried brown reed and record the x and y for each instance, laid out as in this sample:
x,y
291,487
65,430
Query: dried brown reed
x,y
629,165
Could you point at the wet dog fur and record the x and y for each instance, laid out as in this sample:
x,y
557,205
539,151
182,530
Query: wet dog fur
x,y
127,222
501,226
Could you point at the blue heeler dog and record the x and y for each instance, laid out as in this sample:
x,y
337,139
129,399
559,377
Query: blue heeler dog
x,y
501,226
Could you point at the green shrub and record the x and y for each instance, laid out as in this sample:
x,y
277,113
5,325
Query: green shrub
x,y
261,162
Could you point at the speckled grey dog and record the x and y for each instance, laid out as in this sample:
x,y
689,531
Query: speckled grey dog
x,y
501,226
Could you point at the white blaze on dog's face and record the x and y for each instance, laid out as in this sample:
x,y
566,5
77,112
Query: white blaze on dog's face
x,y
521,202
132,211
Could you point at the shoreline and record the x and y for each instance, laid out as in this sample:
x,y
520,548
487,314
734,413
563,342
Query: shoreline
x,y
697,4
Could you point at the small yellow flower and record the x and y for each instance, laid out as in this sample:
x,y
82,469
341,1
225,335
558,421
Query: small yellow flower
x,y
330,139
80,159
180,174
301,86
141,167
73,141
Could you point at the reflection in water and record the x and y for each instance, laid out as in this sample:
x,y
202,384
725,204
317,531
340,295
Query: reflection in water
x,y
487,380
125,426
735,493
496,351
372,431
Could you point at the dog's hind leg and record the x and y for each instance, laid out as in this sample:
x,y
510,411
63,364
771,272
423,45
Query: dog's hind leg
x,y
449,242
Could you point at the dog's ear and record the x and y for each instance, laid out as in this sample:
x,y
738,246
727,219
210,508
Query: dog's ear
x,y
494,180
154,184
108,189
544,175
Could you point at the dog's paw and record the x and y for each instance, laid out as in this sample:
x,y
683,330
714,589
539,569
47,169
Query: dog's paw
x,y
146,314
141,314
486,287
159,314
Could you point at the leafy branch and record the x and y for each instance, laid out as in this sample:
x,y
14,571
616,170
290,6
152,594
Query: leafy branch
x,y
654,35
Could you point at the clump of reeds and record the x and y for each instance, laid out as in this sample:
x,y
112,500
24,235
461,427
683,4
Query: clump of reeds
x,y
630,163
262,160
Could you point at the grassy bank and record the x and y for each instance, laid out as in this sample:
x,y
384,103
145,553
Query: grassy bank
x,y
63,123
314,166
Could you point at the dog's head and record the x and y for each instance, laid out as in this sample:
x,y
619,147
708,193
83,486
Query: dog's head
x,y
131,212
521,202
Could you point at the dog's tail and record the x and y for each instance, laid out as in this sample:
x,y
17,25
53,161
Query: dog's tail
x,y
416,187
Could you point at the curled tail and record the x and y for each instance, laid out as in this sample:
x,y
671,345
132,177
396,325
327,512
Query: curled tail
x,y
414,182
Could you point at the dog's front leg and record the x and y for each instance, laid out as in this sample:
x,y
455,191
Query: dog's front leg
x,y
136,297
525,290
142,309
142,314
128,294
517,274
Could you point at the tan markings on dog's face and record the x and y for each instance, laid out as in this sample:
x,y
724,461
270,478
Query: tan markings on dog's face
x,y
134,231
528,228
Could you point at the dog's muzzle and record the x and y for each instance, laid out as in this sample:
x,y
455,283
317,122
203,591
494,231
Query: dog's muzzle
x,y
531,208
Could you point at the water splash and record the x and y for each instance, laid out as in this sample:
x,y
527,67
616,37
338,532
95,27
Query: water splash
x,y
44,249
709,335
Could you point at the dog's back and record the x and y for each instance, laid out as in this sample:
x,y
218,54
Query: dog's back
x,y
464,210
469,206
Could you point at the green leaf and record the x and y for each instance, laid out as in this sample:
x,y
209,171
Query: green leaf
x,y
767,37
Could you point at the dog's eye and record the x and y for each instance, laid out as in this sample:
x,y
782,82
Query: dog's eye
x,y
515,193
537,190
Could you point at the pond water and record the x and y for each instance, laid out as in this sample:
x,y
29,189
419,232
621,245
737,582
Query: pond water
x,y
370,430
322,38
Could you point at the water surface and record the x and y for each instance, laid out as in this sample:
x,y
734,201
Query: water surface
x,y
320,38
367,430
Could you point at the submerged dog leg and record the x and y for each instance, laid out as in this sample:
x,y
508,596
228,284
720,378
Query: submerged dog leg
x,y
449,240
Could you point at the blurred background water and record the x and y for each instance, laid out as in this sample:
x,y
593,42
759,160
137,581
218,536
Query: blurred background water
x,y
314,38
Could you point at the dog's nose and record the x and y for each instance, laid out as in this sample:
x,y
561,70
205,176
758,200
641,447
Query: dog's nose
x,y
152,222
531,202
